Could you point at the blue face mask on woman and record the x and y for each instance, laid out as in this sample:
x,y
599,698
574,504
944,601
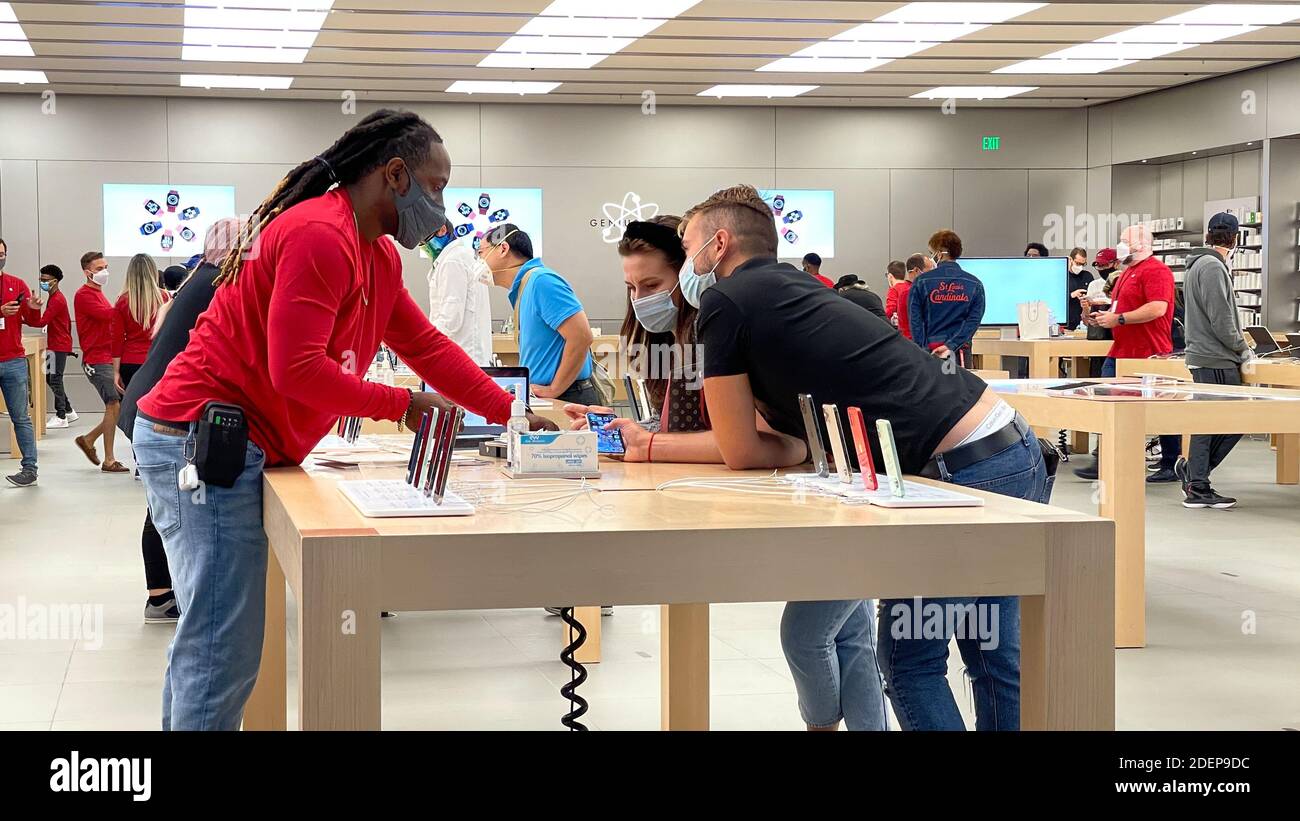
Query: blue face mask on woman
x,y
693,284
657,313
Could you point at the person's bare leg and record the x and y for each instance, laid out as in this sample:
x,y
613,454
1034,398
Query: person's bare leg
x,y
97,431
158,591
111,412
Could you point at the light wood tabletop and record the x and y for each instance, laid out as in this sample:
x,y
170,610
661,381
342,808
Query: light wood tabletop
x,y
1120,491
682,549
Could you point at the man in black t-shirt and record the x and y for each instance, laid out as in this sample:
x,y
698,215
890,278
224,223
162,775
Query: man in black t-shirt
x,y
768,334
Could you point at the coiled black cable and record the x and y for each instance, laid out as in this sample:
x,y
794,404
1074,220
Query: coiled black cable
x,y
577,704
1063,445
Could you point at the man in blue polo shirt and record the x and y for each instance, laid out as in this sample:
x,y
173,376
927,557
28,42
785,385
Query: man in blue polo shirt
x,y
554,334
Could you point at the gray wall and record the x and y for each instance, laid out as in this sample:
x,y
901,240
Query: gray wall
x,y
899,174
1181,189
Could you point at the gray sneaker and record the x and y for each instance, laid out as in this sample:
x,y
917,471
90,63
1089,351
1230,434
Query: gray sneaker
x,y
23,478
166,613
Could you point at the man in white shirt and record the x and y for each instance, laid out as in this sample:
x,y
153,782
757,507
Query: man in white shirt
x,y
458,301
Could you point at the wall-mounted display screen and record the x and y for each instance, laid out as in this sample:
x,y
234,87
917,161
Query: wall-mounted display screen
x,y
805,221
1008,281
475,211
162,219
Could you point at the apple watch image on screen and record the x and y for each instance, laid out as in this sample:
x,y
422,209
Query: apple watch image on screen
x,y
839,447
167,241
190,212
152,207
791,237
893,472
484,203
778,204
173,199
792,217
499,215
150,228
814,435
465,210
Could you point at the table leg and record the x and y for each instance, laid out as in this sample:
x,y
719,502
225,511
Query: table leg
x,y
266,708
36,378
1121,497
338,635
589,618
1288,458
1067,663
1040,365
1079,439
684,668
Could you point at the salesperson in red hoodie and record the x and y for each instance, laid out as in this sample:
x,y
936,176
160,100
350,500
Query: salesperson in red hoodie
x,y
57,322
295,321
97,327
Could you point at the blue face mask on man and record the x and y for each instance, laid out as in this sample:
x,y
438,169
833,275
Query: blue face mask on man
x,y
693,284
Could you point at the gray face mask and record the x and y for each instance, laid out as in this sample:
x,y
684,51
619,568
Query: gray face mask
x,y
419,216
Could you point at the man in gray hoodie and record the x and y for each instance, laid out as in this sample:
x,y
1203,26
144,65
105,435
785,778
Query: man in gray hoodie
x,y
1216,350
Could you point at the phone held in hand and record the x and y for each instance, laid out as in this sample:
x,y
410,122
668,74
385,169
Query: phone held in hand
x,y
607,441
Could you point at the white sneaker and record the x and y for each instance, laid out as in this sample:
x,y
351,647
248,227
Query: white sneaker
x,y
56,422
72,416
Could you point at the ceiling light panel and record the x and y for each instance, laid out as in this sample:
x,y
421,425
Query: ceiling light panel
x,y
8,75
755,91
13,40
247,81
581,33
500,87
261,31
1207,24
900,33
973,92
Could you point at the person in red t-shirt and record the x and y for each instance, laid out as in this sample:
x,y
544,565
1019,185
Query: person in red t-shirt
x,y
58,341
812,265
96,328
17,305
138,308
297,316
916,265
1140,319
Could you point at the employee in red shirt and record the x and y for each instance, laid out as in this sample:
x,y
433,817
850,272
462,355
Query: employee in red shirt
x,y
812,265
1140,319
916,264
16,307
296,318
97,328
58,341
138,308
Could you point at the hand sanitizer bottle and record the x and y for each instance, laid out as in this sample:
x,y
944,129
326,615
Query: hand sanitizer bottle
x,y
518,424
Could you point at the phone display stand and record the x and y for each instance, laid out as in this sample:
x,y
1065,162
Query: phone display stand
x,y
424,491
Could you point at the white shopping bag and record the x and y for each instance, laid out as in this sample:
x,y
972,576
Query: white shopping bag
x,y
1034,320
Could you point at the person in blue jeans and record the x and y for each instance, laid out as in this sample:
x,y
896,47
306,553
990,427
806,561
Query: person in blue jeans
x,y
770,334
916,669
17,307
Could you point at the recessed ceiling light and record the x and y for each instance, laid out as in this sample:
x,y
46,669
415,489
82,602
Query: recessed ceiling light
x,y
741,90
972,92
234,81
13,41
899,33
1207,24
252,31
500,87
581,33
1144,161
1193,152
9,75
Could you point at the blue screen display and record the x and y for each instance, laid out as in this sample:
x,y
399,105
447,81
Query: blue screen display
x,y
1009,281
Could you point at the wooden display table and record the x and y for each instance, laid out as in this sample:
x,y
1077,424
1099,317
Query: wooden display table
x,y
682,549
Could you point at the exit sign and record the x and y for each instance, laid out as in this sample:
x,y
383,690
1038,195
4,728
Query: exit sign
x,y
992,143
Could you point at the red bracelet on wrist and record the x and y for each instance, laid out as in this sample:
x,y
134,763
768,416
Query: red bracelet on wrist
x,y
650,448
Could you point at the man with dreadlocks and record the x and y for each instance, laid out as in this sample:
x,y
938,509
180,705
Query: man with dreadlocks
x,y
303,302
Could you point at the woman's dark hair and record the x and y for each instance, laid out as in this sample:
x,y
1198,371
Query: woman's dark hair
x,y
946,241
658,235
364,147
1036,246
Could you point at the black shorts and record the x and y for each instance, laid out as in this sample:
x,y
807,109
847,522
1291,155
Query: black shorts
x,y
101,379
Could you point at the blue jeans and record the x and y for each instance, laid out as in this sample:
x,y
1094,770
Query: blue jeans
x,y
916,668
216,549
14,386
830,647
1171,447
